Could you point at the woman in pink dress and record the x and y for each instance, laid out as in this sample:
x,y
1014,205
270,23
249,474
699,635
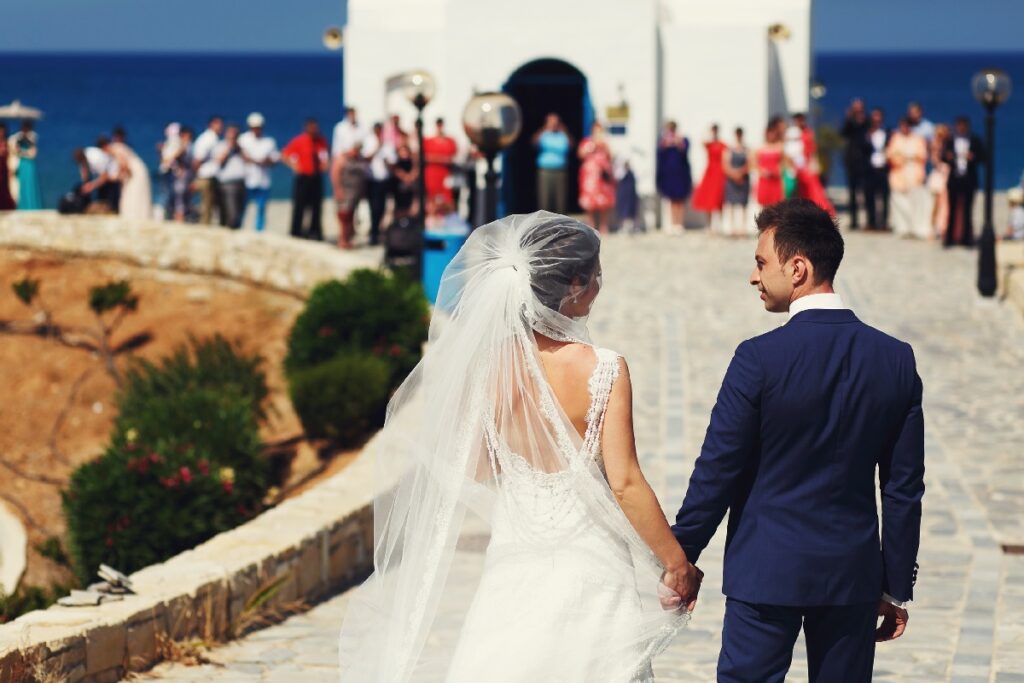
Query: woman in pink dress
x,y
597,181
768,163
710,194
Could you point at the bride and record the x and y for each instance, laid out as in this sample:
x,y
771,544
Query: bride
x,y
516,430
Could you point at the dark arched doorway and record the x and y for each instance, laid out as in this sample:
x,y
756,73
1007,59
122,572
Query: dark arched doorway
x,y
540,87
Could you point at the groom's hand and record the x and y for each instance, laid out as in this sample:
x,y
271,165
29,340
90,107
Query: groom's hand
x,y
894,622
683,584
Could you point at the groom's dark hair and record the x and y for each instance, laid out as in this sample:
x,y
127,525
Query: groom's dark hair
x,y
803,227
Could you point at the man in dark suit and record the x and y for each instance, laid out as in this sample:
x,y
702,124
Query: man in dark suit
x,y
855,156
963,152
876,171
804,416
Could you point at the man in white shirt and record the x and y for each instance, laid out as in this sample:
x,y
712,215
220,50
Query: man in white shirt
x,y
207,168
104,169
231,163
382,157
347,134
347,172
261,153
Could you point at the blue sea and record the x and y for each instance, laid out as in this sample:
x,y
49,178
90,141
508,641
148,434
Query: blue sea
x,y
84,95
940,82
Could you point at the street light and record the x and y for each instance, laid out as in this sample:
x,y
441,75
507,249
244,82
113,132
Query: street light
x,y
991,87
492,120
418,87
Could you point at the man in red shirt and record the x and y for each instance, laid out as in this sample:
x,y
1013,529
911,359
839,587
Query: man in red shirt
x,y
307,156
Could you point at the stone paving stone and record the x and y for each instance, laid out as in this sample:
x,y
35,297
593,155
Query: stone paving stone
x,y
677,307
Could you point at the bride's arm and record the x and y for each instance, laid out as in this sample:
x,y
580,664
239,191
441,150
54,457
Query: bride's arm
x,y
634,493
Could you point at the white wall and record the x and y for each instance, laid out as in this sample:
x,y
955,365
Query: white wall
x,y
714,58
715,61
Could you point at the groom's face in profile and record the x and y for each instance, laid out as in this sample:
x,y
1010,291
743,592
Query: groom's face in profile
x,y
771,277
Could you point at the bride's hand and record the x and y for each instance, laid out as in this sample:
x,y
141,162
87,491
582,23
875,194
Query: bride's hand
x,y
680,586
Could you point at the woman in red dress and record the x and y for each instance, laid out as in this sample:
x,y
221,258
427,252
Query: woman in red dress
x,y
808,182
597,181
768,162
439,154
710,194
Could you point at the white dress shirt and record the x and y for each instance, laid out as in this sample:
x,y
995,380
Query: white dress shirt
x,y
99,162
812,301
381,156
202,151
830,301
258,150
346,136
233,168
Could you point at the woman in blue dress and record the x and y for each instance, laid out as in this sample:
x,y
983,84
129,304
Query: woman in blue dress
x,y
672,175
24,146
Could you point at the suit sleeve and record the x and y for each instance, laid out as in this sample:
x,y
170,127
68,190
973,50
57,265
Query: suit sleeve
x,y
730,443
901,477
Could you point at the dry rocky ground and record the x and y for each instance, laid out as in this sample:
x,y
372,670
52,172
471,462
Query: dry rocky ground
x,y
46,382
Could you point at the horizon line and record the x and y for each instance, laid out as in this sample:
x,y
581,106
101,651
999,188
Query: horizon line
x,y
325,52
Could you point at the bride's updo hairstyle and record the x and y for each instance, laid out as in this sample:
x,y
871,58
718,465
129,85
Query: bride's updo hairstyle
x,y
564,252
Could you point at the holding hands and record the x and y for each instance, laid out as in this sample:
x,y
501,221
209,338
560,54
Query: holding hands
x,y
680,586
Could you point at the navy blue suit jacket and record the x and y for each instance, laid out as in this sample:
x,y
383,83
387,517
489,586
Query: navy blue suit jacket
x,y
804,416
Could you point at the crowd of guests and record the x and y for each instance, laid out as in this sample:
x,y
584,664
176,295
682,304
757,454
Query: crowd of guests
x,y
918,179
785,165
19,177
607,187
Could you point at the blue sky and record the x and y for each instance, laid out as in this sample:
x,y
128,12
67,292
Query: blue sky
x,y
296,25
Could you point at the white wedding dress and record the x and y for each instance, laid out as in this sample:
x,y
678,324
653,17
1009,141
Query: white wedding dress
x,y
550,596
567,591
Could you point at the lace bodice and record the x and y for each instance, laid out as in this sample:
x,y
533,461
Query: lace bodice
x,y
546,505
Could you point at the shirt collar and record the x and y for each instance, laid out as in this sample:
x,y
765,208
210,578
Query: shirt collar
x,y
812,301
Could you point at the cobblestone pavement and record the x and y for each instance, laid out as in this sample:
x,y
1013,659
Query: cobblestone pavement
x,y
677,306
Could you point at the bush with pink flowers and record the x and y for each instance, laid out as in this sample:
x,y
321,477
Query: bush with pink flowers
x,y
184,462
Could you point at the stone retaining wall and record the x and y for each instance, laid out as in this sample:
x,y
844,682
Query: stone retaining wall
x,y
281,263
307,547
314,545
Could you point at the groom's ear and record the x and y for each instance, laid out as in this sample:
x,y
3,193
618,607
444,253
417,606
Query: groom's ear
x,y
803,271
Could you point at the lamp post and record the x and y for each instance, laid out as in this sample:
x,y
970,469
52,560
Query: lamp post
x,y
991,87
492,120
418,87
404,240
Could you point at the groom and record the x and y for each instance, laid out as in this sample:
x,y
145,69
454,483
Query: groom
x,y
805,414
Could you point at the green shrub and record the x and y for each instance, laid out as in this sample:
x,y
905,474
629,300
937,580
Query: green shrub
x,y
370,311
183,463
343,399
213,362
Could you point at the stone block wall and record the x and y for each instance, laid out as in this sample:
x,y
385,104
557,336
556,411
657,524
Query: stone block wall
x,y
308,547
280,263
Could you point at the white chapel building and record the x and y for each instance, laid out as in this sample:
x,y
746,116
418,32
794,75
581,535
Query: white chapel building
x,y
631,64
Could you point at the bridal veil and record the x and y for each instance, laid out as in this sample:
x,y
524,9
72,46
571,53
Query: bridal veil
x,y
481,387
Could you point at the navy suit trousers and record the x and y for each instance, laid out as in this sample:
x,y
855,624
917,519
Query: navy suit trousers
x,y
757,642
